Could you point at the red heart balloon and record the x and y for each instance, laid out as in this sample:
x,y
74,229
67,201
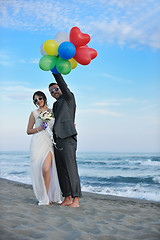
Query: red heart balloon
x,y
78,38
84,55
93,53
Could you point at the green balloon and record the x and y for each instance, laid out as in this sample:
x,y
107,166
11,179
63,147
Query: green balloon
x,y
47,62
63,66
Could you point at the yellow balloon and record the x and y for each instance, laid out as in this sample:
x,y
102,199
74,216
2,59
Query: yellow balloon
x,y
51,47
73,63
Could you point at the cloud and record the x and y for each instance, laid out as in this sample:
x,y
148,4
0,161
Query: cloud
x,y
6,59
15,92
133,23
33,60
18,92
122,107
95,111
118,102
117,79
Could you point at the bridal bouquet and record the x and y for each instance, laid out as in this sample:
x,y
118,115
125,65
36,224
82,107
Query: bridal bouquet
x,y
46,116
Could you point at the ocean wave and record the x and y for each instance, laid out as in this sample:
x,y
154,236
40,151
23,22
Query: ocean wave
x,y
17,178
156,179
130,192
119,179
92,163
18,173
150,162
124,174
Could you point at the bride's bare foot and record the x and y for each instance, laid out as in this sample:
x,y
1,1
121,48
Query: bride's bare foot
x,y
75,202
67,201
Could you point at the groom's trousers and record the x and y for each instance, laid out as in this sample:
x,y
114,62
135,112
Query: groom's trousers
x,y
65,156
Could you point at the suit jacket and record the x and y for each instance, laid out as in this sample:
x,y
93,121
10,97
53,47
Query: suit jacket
x,y
64,111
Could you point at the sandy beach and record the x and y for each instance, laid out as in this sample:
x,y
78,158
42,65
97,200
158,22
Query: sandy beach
x,y
98,217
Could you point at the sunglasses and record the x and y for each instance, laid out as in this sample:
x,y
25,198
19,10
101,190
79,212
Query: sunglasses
x,y
54,90
36,100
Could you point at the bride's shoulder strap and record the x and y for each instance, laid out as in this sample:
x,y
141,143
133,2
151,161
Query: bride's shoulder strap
x,y
35,113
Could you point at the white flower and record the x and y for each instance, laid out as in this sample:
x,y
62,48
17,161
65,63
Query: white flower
x,y
46,116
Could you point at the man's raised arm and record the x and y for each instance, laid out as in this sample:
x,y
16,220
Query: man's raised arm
x,y
63,86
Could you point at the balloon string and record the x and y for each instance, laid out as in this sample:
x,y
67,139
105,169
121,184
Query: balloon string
x,y
51,135
55,145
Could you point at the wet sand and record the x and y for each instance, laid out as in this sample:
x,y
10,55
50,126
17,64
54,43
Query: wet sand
x,y
99,217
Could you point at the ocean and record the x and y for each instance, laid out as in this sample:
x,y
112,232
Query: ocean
x,y
135,175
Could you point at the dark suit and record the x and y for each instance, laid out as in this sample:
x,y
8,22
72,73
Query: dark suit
x,y
65,136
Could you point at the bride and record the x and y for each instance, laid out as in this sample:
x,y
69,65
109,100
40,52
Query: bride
x,y
43,168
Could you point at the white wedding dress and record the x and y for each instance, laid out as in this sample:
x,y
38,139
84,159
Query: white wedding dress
x,y
40,146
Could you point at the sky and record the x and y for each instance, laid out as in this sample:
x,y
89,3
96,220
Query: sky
x,y
117,94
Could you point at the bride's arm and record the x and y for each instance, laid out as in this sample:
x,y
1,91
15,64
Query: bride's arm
x,y
31,122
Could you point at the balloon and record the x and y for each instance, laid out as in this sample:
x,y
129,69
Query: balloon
x,y
84,55
62,54
73,63
42,50
93,53
78,38
47,62
66,50
63,66
51,47
61,37
54,70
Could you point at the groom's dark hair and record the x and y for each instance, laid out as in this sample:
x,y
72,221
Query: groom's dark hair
x,y
52,84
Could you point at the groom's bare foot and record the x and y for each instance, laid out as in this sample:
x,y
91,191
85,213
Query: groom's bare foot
x,y
74,205
75,202
67,201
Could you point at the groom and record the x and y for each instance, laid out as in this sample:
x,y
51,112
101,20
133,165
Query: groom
x,y
65,136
